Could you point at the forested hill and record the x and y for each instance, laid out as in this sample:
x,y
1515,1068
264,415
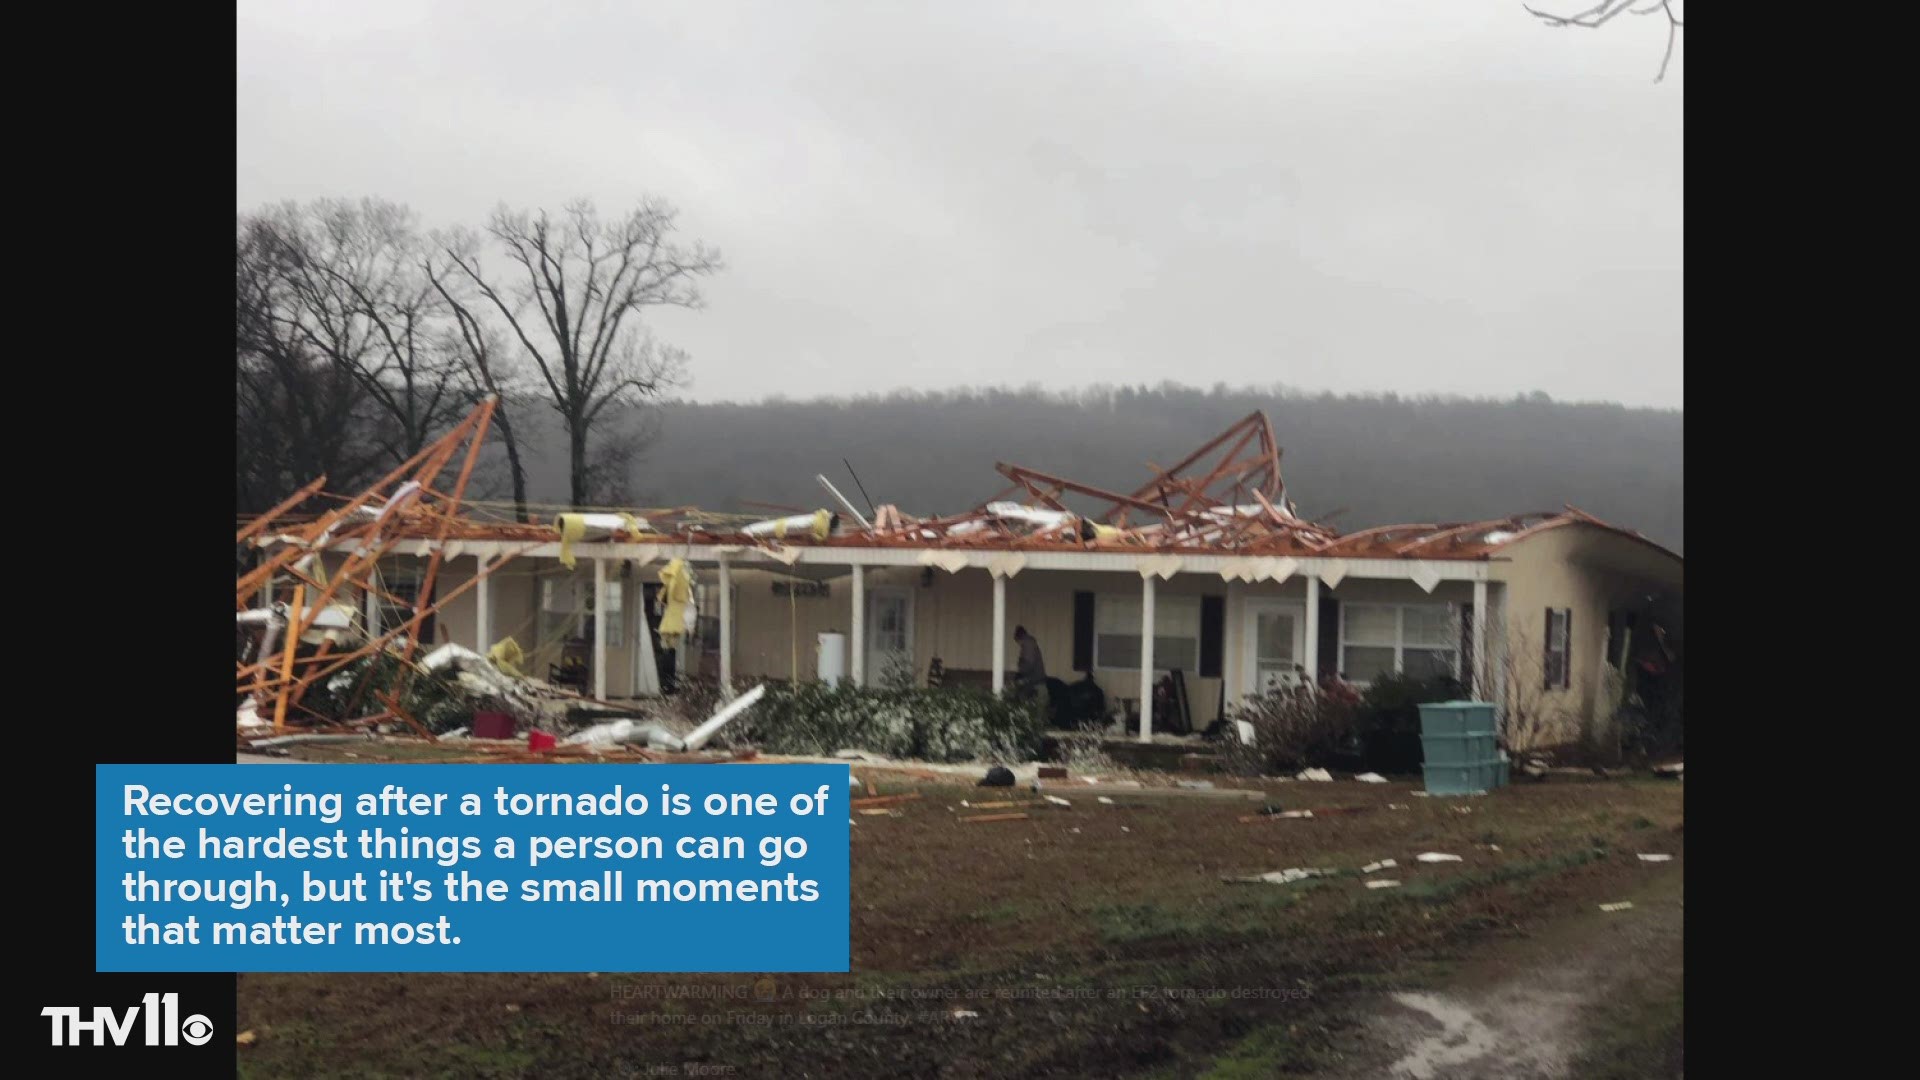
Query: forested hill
x,y
1382,458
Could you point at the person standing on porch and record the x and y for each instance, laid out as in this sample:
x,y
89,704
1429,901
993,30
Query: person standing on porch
x,y
1030,670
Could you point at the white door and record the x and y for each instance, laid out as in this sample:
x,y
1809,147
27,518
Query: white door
x,y
889,632
1273,645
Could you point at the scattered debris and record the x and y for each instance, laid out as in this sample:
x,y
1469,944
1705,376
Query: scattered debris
x,y
1644,857
1102,799
699,736
1053,772
1624,905
1058,801
886,800
984,818
245,1038
998,776
1141,791
1314,774
1383,883
1671,769
1371,778
1435,856
965,1014
1000,805
877,811
1196,785
540,740
1381,865
1281,877
1400,805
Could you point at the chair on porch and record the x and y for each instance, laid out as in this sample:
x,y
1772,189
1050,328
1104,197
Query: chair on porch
x,y
575,669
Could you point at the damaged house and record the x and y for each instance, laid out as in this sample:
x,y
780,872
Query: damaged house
x,y
1202,581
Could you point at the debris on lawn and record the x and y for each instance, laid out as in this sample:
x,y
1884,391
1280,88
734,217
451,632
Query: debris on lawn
x,y
245,1038
984,818
1058,801
1435,856
1103,800
1314,774
1383,883
1377,866
1137,790
1399,806
1371,778
1281,877
1624,905
965,1014
998,776
884,800
1053,772
878,811
1644,857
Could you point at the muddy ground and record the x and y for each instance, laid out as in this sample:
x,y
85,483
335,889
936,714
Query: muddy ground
x,y
1100,940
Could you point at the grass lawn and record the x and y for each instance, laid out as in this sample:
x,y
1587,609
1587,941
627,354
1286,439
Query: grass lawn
x,y
1097,940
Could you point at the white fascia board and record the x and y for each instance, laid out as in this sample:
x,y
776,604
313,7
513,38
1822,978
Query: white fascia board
x,y
1112,561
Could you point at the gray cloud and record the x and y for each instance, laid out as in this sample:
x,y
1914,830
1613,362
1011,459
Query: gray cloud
x,y
1404,195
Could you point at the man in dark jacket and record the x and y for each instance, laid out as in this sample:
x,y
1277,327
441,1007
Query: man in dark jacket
x,y
1030,670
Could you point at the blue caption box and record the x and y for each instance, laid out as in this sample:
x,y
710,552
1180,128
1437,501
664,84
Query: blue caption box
x,y
225,859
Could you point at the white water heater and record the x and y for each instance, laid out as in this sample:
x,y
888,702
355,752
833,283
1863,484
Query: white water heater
x,y
831,662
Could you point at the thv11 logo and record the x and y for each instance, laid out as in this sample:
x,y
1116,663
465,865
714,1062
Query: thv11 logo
x,y
163,1025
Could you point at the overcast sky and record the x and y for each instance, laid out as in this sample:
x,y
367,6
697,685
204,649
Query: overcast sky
x,y
1407,195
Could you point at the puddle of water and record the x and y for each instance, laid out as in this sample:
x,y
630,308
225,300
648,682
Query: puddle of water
x,y
1462,1037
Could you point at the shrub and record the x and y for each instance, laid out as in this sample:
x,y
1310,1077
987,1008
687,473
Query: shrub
x,y
938,724
1295,728
1388,720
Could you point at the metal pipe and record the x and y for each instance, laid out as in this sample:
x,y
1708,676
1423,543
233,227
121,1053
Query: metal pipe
x,y
843,501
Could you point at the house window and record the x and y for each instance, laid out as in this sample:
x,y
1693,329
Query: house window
x,y
616,612
1559,658
566,604
1176,633
402,589
1421,640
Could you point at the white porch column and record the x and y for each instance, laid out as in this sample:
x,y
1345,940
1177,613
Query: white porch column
x,y
1146,658
857,662
726,626
1312,653
600,629
1502,642
1480,675
371,598
999,632
482,607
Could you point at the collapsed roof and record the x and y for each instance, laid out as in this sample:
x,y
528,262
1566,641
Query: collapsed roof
x,y
1225,498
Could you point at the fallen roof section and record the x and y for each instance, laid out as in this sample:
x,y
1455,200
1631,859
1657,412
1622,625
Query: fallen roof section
x,y
1226,498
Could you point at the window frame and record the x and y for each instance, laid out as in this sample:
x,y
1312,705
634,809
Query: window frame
x,y
1400,642
1161,605
1563,678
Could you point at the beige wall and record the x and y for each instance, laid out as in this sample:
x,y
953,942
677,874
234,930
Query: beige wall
x,y
1591,571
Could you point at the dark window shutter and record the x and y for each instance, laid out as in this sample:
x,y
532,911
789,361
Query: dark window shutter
x,y
1546,655
1566,650
1469,663
1329,638
1083,631
1213,635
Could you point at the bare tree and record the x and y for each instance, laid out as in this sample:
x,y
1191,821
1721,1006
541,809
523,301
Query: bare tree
x,y
1606,11
478,341
578,287
297,416
357,297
